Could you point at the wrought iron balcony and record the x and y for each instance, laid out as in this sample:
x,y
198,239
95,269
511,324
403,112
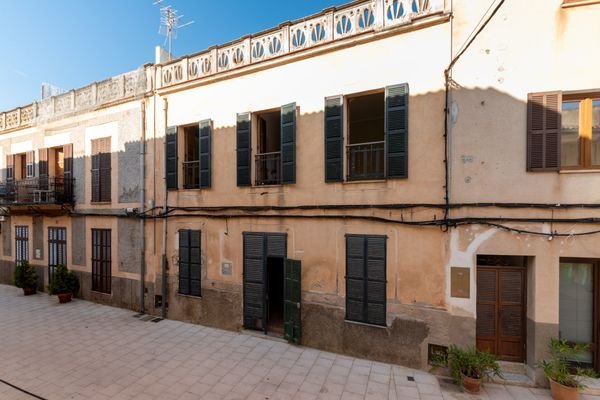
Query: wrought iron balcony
x,y
365,161
268,168
38,190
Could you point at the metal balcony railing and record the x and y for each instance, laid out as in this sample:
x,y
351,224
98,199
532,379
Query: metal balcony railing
x,y
191,174
365,161
38,190
268,168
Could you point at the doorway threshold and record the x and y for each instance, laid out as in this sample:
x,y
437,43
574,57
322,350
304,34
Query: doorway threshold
x,y
260,334
514,374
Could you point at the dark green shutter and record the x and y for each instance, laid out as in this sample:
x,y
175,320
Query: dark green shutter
x,y
190,264
276,245
288,143
243,133
184,261
355,278
376,280
171,157
291,300
205,143
68,171
334,139
396,130
43,168
254,281
195,263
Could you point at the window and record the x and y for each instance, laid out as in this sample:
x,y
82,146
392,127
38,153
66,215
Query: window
x,y
21,243
366,279
268,157
101,260
191,160
101,170
563,131
374,128
57,249
196,155
189,262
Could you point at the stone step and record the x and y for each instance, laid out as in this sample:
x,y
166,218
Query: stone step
x,y
514,379
513,367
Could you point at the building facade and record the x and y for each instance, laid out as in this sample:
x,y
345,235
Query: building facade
x,y
379,179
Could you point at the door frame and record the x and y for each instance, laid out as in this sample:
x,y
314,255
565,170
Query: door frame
x,y
524,270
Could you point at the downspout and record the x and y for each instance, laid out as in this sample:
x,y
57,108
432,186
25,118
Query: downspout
x,y
165,210
143,207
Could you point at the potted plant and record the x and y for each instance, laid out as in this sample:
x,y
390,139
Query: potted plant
x,y
469,366
565,378
64,284
25,277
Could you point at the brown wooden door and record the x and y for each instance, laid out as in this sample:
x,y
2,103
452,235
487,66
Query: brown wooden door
x,y
501,312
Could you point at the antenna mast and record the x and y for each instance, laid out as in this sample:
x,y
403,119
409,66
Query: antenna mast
x,y
170,22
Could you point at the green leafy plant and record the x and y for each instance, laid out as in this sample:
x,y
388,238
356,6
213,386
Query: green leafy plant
x,y
25,275
559,367
469,362
63,281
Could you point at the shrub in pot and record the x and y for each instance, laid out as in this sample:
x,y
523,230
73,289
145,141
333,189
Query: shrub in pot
x,y
25,277
469,366
64,284
565,378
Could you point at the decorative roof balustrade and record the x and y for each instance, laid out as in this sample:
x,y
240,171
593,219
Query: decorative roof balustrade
x,y
86,98
328,26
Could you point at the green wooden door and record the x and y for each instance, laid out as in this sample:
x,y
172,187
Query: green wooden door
x,y
291,300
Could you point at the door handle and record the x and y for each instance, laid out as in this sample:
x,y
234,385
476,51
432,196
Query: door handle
x,y
298,306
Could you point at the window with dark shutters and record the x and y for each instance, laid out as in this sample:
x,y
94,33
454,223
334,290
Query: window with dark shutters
x,y
189,262
21,243
57,249
543,131
396,130
171,157
101,260
101,170
366,279
243,140
334,139
205,144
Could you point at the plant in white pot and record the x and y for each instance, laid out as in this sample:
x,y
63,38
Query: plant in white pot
x,y
565,378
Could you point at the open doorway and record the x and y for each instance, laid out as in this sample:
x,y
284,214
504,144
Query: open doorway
x,y
275,295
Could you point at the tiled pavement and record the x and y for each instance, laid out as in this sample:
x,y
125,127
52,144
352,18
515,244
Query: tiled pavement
x,y
83,350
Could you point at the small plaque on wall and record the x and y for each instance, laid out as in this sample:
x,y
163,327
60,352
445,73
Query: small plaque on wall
x,y
460,282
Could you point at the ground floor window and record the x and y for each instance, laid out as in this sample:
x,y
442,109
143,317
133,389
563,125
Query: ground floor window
x,y
57,249
21,243
189,262
101,260
366,279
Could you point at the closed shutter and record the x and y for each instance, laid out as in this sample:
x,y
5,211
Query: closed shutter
x,y
396,130
366,279
184,262
68,171
205,143
101,260
243,134
171,157
29,162
10,167
43,168
254,281
189,262
334,138
543,131
95,171
105,170
276,245
288,143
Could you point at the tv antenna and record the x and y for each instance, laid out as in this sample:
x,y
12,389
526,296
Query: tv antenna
x,y
170,22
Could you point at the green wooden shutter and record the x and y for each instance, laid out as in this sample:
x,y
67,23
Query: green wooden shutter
x,y
205,143
43,168
396,130
292,300
184,261
243,133
288,143
276,245
105,169
543,131
254,281
355,278
171,157
334,139
96,170
376,280
68,171
195,263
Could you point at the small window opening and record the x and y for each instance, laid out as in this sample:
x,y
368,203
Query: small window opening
x,y
268,158
366,137
191,160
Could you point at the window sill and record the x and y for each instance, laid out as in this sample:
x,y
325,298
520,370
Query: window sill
x,y
353,182
189,296
102,293
100,203
578,171
365,324
580,3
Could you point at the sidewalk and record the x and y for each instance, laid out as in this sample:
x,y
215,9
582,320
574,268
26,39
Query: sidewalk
x,y
83,350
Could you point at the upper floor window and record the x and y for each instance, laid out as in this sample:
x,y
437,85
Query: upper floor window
x,y
101,170
268,157
196,155
580,134
191,154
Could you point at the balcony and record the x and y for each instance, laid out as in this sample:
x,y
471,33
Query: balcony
x,y
191,174
365,161
268,168
38,190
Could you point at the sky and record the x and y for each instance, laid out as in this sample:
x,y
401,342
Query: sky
x,y
71,43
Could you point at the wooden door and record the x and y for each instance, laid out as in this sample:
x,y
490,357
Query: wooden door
x,y
501,311
291,300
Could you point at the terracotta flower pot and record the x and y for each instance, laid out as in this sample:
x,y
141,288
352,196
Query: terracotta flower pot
x,y
28,291
64,297
561,392
471,385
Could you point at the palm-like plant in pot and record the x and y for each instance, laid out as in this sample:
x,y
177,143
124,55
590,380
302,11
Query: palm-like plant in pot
x,y
565,378
470,366
25,277
64,284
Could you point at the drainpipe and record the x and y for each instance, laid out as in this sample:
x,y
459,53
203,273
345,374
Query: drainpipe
x,y
165,210
143,207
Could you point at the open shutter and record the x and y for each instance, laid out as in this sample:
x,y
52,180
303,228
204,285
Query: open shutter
x,y
171,157
95,170
396,130
291,300
105,169
68,171
243,133
376,280
355,278
205,143
184,261
543,131
30,161
334,138
254,281
43,168
288,143
10,168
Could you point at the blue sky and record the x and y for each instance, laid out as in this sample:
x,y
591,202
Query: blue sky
x,y
70,43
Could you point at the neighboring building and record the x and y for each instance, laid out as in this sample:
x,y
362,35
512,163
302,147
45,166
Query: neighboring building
x,y
304,181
